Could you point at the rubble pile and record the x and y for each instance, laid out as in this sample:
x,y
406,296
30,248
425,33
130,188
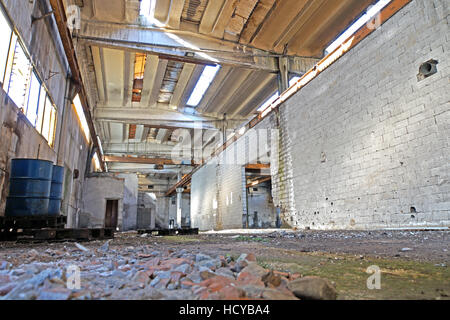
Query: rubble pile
x,y
143,273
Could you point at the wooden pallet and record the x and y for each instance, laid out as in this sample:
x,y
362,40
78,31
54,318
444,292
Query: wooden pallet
x,y
33,222
59,234
169,232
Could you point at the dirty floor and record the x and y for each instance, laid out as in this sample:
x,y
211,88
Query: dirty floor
x,y
411,264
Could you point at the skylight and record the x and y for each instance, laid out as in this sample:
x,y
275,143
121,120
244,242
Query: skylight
x,y
276,95
81,117
293,80
208,75
268,101
147,8
370,14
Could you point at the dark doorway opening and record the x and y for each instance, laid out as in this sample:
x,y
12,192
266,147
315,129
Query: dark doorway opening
x,y
111,214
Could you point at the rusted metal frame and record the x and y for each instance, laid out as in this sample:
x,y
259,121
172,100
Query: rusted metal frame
x,y
184,180
61,22
257,166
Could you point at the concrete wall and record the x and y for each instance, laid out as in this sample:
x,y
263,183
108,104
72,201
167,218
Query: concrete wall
x,y
98,188
130,201
217,197
18,137
146,211
162,212
186,210
218,193
365,145
261,212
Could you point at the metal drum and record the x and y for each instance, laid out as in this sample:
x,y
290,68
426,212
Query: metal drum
x,y
29,188
56,191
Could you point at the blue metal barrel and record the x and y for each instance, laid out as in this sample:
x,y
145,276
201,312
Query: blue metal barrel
x,y
29,190
56,191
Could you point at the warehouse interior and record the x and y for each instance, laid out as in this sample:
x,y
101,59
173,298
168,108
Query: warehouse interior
x,y
228,116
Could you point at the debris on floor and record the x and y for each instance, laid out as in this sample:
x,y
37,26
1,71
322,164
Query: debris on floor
x,y
143,273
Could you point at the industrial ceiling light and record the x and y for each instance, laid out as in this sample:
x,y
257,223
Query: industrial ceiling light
x,y
203,83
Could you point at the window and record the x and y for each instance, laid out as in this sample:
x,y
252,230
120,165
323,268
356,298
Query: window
x,y
49,122
20,76
23,85
5,40
41,107
97,166
80,113
33,99
371,12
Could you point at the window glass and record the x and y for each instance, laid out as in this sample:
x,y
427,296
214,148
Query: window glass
x,y
51,135
20,75
41,107
80,113
47,119
33,99
5,38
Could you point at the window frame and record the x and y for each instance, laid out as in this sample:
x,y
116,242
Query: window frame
x,y
44,99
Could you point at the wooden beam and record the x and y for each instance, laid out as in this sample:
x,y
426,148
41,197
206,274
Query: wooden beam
x,y
257,182
257,166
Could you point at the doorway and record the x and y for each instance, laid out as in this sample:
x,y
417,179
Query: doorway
x,y
111,214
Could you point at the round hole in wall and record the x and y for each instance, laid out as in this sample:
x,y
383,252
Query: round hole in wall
x,y
425,68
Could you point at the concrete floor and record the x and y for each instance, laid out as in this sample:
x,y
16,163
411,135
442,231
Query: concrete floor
x,y
413,264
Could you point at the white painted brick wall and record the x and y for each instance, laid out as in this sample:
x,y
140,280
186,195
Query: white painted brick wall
x,y
223,183
385,136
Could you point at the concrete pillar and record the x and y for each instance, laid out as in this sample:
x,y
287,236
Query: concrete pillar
x,y
283,75
179,199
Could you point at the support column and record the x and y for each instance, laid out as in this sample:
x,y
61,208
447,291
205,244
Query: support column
x,y
283,75
179,199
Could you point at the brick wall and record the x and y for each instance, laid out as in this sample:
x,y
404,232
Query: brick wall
x,y
365,144
218,194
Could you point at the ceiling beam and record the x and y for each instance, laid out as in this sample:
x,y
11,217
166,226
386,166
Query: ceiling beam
x,y
154,117
183,80
163,135
151,68
139,160
145,148
158,41
128,74
261,89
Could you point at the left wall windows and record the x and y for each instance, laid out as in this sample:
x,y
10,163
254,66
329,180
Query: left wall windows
x,y
23,85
